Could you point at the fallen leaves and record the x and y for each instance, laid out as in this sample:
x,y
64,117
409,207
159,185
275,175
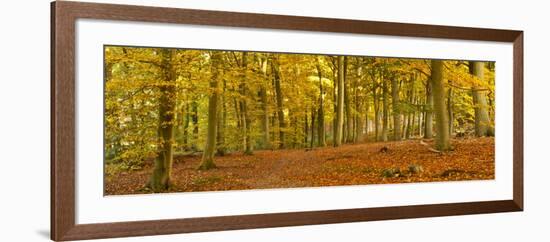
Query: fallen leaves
x,y
357,164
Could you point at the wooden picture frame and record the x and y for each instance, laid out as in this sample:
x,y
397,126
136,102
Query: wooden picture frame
x,y
63,109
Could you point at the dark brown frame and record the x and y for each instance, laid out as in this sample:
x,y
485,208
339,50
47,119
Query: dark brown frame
x,y
63,17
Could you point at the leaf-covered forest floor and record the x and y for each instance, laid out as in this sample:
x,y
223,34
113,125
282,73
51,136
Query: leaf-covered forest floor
x,y
353,164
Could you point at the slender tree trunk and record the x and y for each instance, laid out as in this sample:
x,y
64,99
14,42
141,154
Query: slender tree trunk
x,y
279,95
313,114
415,116
294,123
482,121
356,116
265,111
340,104
208,155
238,118
358,125
420,118
410,115
186,127
442,120
396,110
248,148
334,103
161,178
385,103
306,128
347,101
222,122
450,110
247,122
367,123
321,113
376,103
195,120
428,127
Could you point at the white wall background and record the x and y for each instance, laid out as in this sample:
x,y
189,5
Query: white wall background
x,y
24,120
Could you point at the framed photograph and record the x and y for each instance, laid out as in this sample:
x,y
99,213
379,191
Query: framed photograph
x,y
170,120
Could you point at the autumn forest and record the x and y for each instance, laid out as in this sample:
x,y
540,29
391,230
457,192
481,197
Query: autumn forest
x,y
182,120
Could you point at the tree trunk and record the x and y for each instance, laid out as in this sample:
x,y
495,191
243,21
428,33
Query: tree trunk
x,y
442,121
396,109
334,102
222,122
186,127
161,178
279,96
247,122
306,128
347,101
450,111
312,127
385,106
420,118
376,102
357,125
482,121
367,111
195,120
357,122
340,104
266,144
428,119
208,155
415,117
410,115
236,105
321,113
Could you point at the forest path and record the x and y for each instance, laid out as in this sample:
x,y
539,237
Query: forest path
x,y
350,164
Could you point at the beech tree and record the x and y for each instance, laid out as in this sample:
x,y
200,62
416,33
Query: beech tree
x,y
161,177
208,155
340,104
442,120
482,123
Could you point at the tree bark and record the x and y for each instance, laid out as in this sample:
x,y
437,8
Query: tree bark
x,y
279,96
321,113
313,114
208,155
385,107
356,118
396,109
186,127
247,122
450,111
376,103
482,121
367,123
347,104
161,178
335,100
266,144
410,115
420,118
340,103
195,121
222,122
442,121
428,118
